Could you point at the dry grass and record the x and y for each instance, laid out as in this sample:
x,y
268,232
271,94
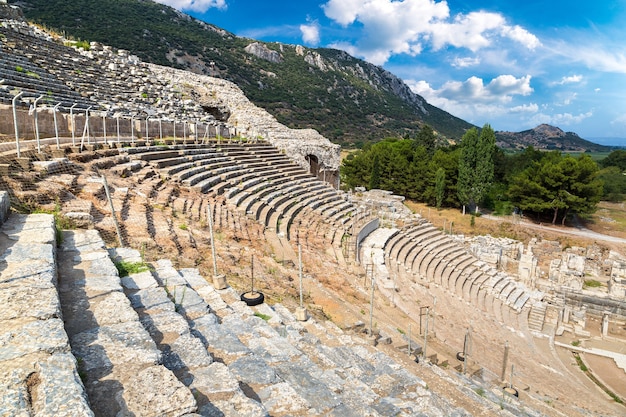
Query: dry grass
x,y
610,219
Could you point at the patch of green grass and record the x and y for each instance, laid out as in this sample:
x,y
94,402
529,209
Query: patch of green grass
x,y
591,283
126,268
183,226
263,316
580,363
576,343
480,391
400,330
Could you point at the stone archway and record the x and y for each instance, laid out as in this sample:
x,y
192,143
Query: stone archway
x,y
314,164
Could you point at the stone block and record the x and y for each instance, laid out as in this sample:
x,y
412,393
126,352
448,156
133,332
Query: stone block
x,y
34,337
60,391
139,281
151,298
115,344
165,325
22,301
186,352
155,391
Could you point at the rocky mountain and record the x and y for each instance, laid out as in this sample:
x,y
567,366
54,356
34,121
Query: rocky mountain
x,y
546,137
346,99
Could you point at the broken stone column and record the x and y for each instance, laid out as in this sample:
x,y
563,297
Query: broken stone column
x,y
527,269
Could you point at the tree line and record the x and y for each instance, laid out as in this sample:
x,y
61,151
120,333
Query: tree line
x,y
549,186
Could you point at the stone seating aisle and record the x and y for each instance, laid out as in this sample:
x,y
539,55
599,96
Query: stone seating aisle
x,y
117,360
38,373
262,360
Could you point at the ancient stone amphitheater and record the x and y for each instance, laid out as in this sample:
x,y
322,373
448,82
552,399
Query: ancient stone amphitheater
x,y
114,174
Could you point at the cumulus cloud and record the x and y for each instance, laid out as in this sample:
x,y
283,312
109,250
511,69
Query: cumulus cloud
x,y
407,26
310,33
500,89
200,6
475,101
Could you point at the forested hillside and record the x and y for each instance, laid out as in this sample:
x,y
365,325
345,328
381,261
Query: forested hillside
x,y
346,99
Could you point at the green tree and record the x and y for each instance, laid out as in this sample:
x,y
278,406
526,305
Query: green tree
x,y
440,186
558,185
616,158
375,175
426,138
476,165
614,184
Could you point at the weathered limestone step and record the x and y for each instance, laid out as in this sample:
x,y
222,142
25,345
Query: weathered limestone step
x,y
536,316
167,306
119,361
38,374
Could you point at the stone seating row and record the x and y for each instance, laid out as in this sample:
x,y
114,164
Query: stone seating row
x,y
428,254
119,363
38,372
261,360
255,177
115,82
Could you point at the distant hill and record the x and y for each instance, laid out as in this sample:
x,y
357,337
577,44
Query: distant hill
x,y
610,141
346,99
549,138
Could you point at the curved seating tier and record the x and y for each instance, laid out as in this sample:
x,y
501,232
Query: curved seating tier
x,y
254,176
432,256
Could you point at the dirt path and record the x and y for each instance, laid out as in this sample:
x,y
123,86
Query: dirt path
x,y
579,231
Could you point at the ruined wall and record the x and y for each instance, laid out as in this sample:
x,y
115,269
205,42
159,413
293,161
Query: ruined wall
x,y
251,121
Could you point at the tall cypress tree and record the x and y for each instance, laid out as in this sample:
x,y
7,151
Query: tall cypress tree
x,y
476,165
440,186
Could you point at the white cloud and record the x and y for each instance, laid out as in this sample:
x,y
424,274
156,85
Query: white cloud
x,y
476,102
200,6
525,108
521,35
310,33
561,119
392,27
500,89
572,79
605,57
620,121
465,62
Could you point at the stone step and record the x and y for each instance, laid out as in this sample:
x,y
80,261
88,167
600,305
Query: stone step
x,y
166,305
290,367
118,360
536,316
38,373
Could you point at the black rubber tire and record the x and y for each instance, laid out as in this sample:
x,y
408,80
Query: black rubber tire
x,y
253,298
511,391
460,356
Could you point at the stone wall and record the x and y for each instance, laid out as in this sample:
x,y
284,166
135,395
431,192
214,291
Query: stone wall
x,y
251,121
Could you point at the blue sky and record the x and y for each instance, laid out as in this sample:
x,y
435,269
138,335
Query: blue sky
x,y
513,64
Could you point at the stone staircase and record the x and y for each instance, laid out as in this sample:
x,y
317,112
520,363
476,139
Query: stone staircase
x,y
537,316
